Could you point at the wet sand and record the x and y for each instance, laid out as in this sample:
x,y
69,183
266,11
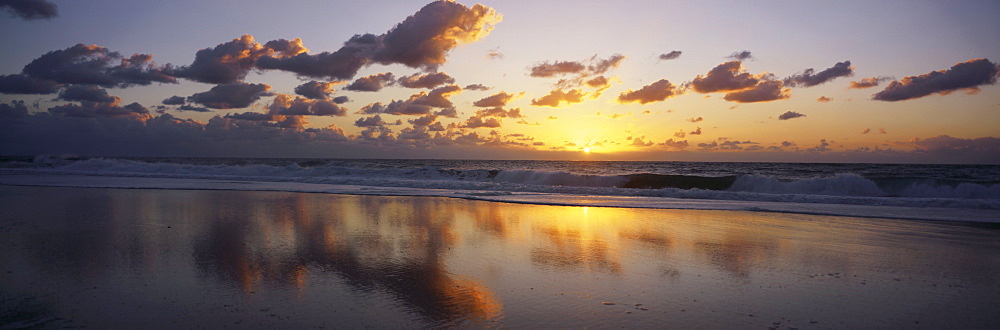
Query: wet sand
x,y
138,258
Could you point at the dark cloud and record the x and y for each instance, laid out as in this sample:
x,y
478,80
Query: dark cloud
x,y
477,87
948,143
107,110
231,61
231,96
193,108
341,99
427,120
23,84
726,145
553,69
741,56
671,143
655,92
789,115
823,99
769,90
598,82
373,121
423,40
173,100
95,65
16,109
868,82
599,66
87,94
289,105
315,89
251,116
725,77
823,146
808,79
557,97
499,112
450,113
30,9
966,75
696,131
428,81
372,83
482,122
342,64
496,100
438,97
671,55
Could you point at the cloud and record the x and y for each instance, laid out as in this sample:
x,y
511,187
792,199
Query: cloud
x,y
741,56
230,62
546,69
30,9
482,122
289,105
680,134
557,97
173,100
697,131
823,146
769,90
726,145
728,76
427,120
494,54
423,40
679,144
866,131
695,120
655,92
808,79
598,82
107,110
87,94
672,55
16,109
93,65
948,143
500,113
373,121
372,83
316,90
428,81
637,142
868,82
966,75
193,108
438,97
823,99
496,100
341,99
789,115
23,84
342,64
231,96
477,87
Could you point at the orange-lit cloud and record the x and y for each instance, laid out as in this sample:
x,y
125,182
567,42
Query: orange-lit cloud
x,y
868,82
823,99
770,90
558,97
655,92
497,100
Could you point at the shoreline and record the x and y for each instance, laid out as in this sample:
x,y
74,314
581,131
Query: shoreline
x,y
988,216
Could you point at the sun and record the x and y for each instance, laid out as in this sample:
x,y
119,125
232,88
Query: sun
x,y
586,150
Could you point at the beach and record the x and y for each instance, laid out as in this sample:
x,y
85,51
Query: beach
x,y
159,258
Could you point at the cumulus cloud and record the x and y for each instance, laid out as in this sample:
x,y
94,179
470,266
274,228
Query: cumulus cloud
x,y
680,134
672,55
638,142
316,90
477,87
91,65
823,99
428,81
285,104
580,72
769,90
728,76
173,100
341,99
372,83
30,9
557,97
107,110
741,56
697,131
546,69
678,144
496,100
726,145
230,62
789,115
695,120
655,92
482,122
341,64
427,120
868,82
966,75
423,40
438,97
373,121
87,94
500,113
23,84
231,96
809,78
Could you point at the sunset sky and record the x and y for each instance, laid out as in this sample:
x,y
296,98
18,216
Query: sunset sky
x,y
845,81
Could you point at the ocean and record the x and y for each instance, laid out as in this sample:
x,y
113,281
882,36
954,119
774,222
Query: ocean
x,y
907,191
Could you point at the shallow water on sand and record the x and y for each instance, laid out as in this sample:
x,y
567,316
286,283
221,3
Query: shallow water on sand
x,y
178,258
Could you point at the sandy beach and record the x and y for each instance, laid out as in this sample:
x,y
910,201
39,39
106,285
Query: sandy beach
x,y
141,258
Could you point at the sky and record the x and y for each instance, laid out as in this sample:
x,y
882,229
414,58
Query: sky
x,y
845,81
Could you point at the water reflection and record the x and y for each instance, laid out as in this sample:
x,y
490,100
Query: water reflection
x,y
444,262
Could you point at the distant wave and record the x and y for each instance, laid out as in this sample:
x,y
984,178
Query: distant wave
x,y
845,188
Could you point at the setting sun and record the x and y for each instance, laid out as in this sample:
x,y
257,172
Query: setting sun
x,y
586,150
